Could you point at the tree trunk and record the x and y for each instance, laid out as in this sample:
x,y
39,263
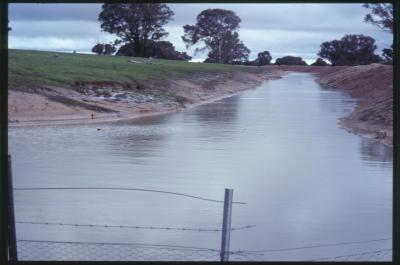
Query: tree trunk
x,y
220,51
144,46
137,46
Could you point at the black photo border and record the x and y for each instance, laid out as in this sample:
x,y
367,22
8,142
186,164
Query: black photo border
x,y
4,120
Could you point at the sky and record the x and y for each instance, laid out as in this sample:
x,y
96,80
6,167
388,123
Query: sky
x,y
281,29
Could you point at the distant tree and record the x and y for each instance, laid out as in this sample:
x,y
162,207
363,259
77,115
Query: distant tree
x,y
217,29
387,55
263,58
9,28
319,62
159,49
232,49
350,50
381,16
104,49
166,50
127,49
109,49
98,48
136,24
290,60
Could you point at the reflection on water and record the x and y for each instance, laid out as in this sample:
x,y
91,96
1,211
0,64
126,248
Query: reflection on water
x,y
218,120
305,180
376,153
140,143
225,113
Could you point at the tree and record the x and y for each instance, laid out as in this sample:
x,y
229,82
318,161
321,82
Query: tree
x,y
350,50
136,24
290,60
98,48
232,49
263,58
319,62
381,16
9,28
109,49
159,49
387,55
104,49
217,29
166,50
127,49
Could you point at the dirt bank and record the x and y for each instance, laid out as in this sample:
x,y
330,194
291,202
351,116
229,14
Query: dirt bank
x,y
372,87
91,102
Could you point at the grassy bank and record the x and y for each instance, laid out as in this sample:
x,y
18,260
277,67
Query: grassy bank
x,y
28,69
66,87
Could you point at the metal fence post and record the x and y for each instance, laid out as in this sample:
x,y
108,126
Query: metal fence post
x,y
226,225
12,238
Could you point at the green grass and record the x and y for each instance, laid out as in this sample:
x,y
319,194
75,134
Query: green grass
x,y
29,69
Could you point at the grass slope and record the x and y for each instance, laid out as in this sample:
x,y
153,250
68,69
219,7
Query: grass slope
x,y
29,69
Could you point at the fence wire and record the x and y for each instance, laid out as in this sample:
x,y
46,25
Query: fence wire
x,y
137,227
76,251
377,255
33,250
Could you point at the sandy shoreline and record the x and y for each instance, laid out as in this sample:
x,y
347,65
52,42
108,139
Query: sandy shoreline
x,y
28,109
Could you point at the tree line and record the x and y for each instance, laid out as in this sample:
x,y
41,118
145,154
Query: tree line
x,y
139,28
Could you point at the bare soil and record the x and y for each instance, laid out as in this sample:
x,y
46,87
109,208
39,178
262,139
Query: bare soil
x,y
92,102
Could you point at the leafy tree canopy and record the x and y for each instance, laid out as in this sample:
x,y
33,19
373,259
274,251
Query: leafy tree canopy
x,y
136,23
319,62
263,58
104,49
350,50
156,49
381,16
217,29
290,60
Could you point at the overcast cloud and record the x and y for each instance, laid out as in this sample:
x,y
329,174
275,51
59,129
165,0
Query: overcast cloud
x,y
282,29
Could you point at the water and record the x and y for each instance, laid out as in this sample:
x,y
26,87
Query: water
x,y
305,180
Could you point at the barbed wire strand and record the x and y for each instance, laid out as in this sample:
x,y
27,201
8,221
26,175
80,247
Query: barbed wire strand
x,y
237,254
122,244
136,227
320,245
128,189
354,254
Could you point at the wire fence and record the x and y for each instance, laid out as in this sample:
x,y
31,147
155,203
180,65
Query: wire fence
x,y
376,255
35,250
39,250
94,251
137,227
124,189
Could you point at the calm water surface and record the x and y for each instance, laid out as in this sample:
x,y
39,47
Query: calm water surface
x,y
305,180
